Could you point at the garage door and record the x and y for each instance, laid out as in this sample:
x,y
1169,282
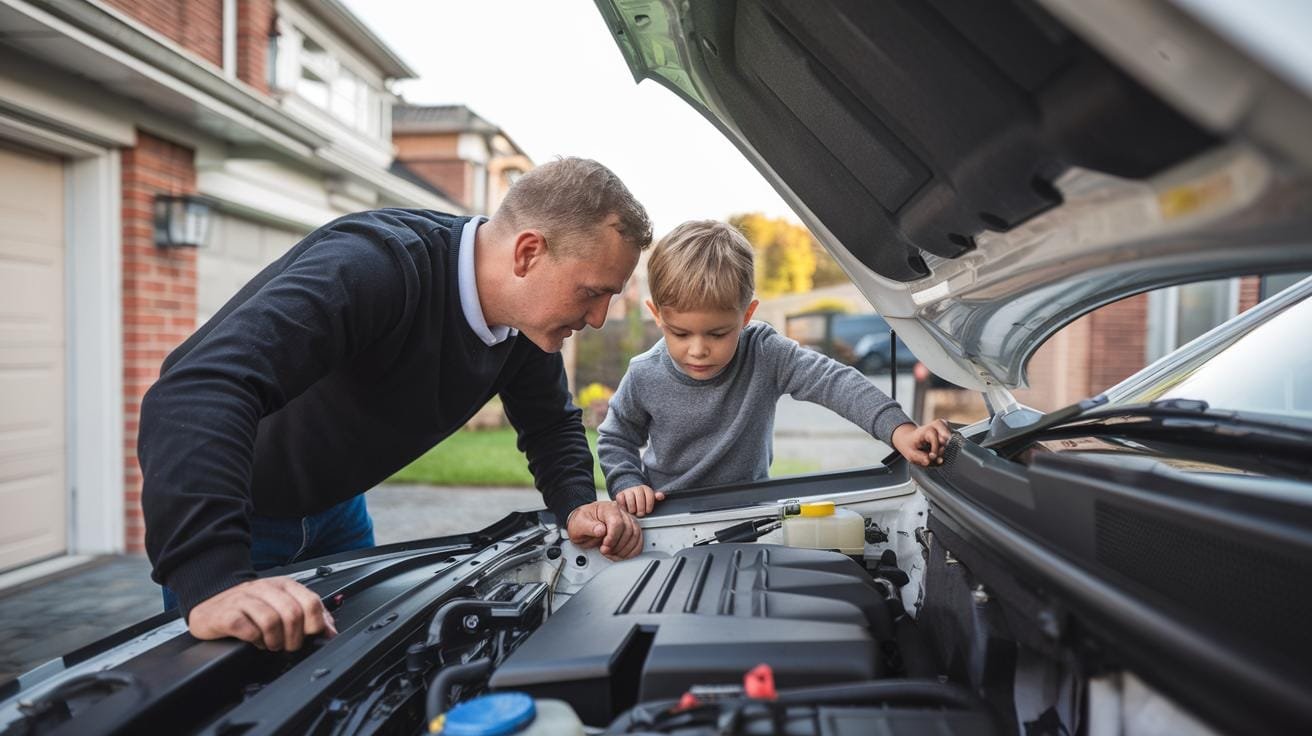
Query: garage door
x,y
236,250
33,497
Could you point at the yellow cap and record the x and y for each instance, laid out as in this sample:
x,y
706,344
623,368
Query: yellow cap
x,y
822,508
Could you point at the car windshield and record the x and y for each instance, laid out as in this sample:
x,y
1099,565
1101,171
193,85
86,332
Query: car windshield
x,y
1266,370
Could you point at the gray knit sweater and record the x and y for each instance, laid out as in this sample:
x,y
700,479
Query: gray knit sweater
x,y
702,433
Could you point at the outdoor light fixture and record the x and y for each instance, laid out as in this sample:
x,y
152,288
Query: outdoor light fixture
x,y
181,221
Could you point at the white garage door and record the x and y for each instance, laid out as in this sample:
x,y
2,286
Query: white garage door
x,y
236,250
33,497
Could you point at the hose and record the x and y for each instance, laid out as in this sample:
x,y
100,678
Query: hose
x,y
455,674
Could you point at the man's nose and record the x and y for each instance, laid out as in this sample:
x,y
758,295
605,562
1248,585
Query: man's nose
x,y
698,348
596,316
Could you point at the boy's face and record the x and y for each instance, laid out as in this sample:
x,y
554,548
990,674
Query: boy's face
x,y
702,342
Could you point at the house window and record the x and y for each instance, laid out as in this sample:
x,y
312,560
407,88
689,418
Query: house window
x,y
303,66
1276,283
1179,314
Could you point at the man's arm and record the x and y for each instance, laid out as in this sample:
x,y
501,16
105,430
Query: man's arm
x,y
198,422
551,435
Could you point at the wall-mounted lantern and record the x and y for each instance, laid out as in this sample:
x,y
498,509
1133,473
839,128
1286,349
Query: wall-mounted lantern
x,y
181,221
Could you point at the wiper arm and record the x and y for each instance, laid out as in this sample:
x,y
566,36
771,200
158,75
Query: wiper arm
x,y
1177,416
1046,422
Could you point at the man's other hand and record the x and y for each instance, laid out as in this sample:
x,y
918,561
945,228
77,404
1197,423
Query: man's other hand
x,y
604,523
271,613
639,500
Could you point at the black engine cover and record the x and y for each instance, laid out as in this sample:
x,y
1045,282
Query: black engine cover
x,y
651,627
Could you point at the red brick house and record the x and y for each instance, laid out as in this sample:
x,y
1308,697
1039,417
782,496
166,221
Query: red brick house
x,y
459,152
276,112
1098,350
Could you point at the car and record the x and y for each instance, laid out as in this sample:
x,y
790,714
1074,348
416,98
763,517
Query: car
x,y
1138,562
860,340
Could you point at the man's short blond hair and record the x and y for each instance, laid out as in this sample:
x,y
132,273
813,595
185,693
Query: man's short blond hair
x,y
702,265
571,197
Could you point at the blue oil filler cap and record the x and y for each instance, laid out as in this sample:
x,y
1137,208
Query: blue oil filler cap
x,y
497,714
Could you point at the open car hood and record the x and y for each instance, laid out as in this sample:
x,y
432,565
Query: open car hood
x,y
988,172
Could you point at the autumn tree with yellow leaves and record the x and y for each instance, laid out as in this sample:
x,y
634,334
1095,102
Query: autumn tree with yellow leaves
x,y
789,260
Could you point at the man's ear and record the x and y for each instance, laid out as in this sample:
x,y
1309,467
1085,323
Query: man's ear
x,y
751,309
530,248
655,311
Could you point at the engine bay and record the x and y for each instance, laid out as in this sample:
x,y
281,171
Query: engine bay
x,y
723,625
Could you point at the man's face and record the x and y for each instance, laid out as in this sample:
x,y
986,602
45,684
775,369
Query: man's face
x,y
566,293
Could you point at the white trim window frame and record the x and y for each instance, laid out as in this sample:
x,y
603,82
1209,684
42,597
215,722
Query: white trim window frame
x,y
347,94
1164,317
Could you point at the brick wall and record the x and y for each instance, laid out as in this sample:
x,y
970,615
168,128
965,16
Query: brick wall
x,y
1059,372
1250,291
1118,344
255,20
196,25
435,157
159,294
455,177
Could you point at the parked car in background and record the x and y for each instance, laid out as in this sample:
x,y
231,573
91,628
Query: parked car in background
x,y
861,340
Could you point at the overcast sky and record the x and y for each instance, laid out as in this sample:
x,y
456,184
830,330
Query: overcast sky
x,y
549,74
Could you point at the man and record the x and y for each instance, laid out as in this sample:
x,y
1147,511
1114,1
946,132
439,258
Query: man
x,y
371,340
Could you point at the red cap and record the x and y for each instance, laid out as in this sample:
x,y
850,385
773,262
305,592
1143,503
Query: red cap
x,y
758,683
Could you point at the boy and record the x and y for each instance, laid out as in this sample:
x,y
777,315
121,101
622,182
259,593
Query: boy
x,y
705,394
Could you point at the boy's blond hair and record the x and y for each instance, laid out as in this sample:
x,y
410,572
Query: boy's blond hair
x,y
702,265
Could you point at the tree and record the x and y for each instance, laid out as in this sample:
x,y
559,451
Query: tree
x,y
789,260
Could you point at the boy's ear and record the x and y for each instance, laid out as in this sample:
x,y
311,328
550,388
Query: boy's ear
x,y
530,247
655,311
751,309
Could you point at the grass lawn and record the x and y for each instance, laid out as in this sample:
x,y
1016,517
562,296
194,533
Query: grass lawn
x,y
489,458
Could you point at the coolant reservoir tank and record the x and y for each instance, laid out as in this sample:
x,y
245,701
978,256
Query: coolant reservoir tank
x,y
822,526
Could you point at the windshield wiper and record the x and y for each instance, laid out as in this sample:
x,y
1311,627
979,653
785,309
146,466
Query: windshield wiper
x,y
1168,418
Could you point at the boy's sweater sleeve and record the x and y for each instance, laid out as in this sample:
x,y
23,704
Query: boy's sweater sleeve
x,y
621,436
810,376
550,433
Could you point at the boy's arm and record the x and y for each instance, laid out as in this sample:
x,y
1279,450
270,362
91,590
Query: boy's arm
x,y
809,376
621,437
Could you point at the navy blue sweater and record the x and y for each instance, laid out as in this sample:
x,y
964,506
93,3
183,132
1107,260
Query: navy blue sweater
x,y
333,368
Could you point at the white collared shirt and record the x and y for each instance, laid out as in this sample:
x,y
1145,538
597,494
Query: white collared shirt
x,y
469,303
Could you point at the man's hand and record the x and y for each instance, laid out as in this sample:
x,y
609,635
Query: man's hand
x,y
922,445
638,500
605,523
271,613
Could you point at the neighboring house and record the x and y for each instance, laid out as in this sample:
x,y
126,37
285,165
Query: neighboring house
x,y
278,112
455,150
1098,350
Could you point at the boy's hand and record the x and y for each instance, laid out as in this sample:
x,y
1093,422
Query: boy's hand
x,y
638,500
922,445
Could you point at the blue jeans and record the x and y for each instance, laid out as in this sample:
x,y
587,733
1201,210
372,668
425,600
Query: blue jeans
x,y
278,542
